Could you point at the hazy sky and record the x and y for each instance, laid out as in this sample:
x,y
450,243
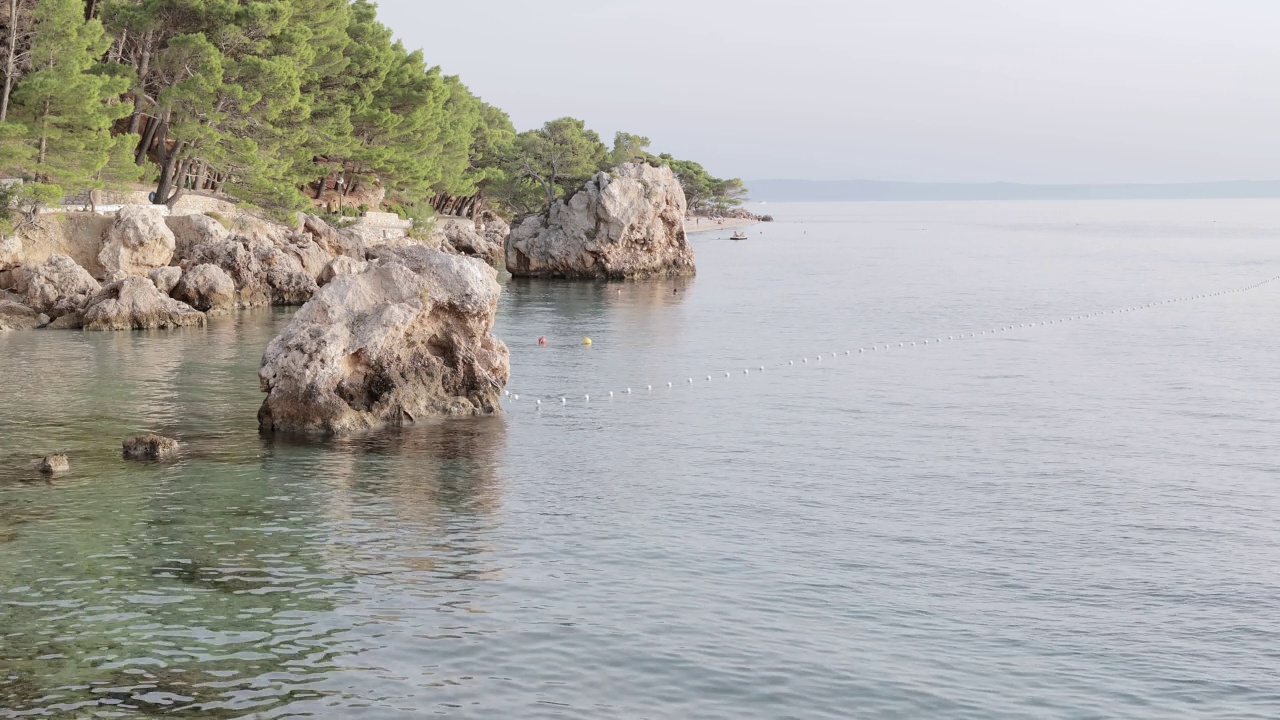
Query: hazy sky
x,y
928,90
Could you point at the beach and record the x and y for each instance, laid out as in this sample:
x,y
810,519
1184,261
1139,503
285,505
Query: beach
x,y
693,226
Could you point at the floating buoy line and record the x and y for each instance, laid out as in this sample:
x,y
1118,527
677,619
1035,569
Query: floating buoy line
x,y
513,399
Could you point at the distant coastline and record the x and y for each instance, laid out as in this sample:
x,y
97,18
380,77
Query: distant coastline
x,y
875,190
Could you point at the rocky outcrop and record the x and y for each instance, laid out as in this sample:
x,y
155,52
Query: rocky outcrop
x,y
627,223
137,242
234,257
150,447
134,303
16,316
207,288
462,237
408,338
55,287
10,252
166,278
494,229
341,265
191,231
333,241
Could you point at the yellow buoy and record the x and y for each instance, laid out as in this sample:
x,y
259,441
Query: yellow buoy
x,y
586,341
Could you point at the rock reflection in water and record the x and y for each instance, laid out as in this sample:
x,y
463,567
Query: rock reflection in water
x,y
436,483
238,579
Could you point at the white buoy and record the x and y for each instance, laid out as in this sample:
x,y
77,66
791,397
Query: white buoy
x,y
628,391
610,393
538,402
564,401
761,368
806,360
746,371
690,381
708,377
507,393
587,397
861,350
726,376
791,362
650,388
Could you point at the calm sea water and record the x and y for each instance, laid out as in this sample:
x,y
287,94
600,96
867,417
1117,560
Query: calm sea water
x,y
1073,521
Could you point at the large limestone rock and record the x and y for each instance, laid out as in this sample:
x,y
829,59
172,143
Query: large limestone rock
x,y
341,265
623,224
461,235
137,242
166,278
206,287
408,338
55,287
335,242
10,252
311,257
134,303
191,231
16,316
234,256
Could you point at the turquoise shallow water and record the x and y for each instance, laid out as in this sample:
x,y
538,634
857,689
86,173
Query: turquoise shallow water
x,y
1076,520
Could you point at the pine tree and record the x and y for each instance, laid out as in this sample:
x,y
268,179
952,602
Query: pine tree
x,y
66,103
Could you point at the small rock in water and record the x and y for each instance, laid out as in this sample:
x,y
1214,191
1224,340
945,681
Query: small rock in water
x,y
54,465
150,447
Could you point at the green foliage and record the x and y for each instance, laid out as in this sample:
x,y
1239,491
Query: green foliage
x,y
558,157
222,219
59,127
262,99
702,191
629,148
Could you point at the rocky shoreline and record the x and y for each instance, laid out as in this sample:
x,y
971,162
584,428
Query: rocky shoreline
x,y
392,329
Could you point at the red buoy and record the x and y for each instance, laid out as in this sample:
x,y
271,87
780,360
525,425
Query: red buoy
x,y
542,340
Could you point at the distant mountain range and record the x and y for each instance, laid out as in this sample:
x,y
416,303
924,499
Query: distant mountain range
x,y
863,190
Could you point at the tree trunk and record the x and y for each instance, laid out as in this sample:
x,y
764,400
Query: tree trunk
x,y
140,94
162,140
201,175
44,135
9,65
167,172
148,137
182,183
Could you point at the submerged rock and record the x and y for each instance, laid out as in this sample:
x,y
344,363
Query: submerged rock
x,y
134,303
16,316
150,447
54,465
206,287
406,339
137,242
56,287
627,223
166,278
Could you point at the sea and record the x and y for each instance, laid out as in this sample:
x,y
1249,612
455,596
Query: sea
x,y
878,460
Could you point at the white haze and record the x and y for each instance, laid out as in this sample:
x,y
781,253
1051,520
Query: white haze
x,y
1070,91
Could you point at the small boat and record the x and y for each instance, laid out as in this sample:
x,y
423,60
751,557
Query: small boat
x,y
738,235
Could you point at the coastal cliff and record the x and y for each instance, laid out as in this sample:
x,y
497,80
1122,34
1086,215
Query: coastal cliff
x,y
627,223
